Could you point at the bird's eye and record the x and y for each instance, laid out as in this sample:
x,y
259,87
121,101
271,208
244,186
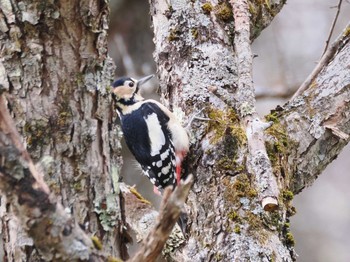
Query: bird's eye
x,y
131,84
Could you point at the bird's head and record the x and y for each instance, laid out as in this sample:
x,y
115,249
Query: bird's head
x,y
126,89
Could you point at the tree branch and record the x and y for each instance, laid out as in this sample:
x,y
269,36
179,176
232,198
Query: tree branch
x,y
258,162
170,210
140,215
317,119
333,25
326,58
54,231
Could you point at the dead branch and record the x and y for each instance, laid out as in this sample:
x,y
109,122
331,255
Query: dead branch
x,y
139,213
285,92
170,210
333,25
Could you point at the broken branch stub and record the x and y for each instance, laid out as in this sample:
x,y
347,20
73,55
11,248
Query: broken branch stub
x,y
169,213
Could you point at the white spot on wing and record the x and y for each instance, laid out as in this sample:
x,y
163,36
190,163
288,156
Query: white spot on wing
x,y
165,170
156,134
164,155
159,163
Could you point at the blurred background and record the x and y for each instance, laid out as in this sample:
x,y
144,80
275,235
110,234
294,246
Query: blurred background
x,y
287,51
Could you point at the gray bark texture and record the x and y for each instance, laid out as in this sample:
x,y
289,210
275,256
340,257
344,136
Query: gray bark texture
x,y
52,229
204,62
55,71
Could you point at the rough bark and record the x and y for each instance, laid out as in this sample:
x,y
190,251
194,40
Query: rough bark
x,y
53,230
317,120
170,210
258,162
199,67
55,69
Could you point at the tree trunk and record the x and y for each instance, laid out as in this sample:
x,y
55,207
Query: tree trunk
x,y
201,57
56,71
55,58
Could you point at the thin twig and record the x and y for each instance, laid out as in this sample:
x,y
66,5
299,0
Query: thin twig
x,y
326,58
169,213
332,27
224,95
268,93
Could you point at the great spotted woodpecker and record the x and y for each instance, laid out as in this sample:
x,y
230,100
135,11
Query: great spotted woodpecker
x,y
152,133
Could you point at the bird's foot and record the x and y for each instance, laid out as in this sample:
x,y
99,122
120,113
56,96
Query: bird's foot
x,y
156,191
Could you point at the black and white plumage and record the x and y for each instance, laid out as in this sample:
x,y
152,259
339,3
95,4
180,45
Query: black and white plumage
x,y
152,133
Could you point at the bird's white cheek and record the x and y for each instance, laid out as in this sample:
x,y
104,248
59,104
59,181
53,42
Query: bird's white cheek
x,y
123,92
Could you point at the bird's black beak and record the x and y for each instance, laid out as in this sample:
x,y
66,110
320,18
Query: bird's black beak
x,y
144,80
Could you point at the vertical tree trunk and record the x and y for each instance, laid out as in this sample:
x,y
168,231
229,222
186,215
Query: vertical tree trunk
x,y
55,59
195,55
202,55
54,54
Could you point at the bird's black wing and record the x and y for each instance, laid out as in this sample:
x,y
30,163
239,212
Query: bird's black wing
x,y
159,167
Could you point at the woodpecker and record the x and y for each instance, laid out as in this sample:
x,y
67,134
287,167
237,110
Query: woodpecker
x,y
152,133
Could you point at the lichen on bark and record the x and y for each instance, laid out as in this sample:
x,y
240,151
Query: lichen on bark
x,y
54,54
196,71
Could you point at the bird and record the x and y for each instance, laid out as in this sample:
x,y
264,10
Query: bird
x,y
152,132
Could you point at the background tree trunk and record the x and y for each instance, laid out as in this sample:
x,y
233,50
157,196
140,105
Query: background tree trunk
x,y
55,58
